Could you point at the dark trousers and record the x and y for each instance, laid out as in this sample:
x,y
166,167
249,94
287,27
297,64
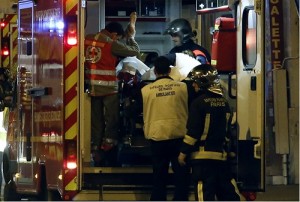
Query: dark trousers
x,y
213,180
105,112
164,153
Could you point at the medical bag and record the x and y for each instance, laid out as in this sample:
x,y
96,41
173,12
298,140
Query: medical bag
x,y
223,53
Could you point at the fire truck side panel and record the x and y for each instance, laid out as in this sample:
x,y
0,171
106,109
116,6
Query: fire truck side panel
x,y
250,95
46,116
25,157
8,36
49,142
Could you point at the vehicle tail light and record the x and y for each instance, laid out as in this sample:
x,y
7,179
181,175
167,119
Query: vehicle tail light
x,y
71,155
5,51
5,46
72,34
2,24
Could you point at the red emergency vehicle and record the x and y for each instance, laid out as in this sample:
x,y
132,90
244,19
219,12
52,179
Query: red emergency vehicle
x,y
48,154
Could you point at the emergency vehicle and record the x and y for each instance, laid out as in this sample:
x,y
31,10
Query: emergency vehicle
x,y
9,34
48,154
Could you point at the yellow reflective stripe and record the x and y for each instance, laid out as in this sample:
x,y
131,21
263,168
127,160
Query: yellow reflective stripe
x,y
70,107
13,19
72,132
200,191
203,137
189,140
71,55
206,127
70,4
6,62
71,185
209,155
102,72
103,83
236,189
71,81
5,31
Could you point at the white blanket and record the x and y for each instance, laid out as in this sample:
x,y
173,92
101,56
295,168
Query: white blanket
x,y
183,65
130,65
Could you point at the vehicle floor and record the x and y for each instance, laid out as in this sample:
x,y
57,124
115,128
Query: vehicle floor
x,y
272,193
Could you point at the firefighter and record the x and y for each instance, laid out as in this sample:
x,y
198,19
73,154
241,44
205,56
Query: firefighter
x,y
103,51
207,142
165,114
182,35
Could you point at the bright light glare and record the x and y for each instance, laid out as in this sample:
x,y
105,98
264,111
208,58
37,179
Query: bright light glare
x,y
5,52
72,41
71,165
60,25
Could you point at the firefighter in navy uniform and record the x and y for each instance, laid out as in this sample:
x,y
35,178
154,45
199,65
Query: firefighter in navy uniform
x,y
207,142
182,36
103,51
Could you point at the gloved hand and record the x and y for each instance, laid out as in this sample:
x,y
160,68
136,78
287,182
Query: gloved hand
x,y
181,159
130,30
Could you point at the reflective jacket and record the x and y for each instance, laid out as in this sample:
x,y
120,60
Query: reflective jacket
x,y
165,109
208,128
102,52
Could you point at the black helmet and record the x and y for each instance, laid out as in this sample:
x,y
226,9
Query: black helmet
x,y
206,76
182,28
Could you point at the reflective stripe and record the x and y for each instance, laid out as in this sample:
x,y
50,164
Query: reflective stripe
x,y
206,127
102,83
209,155
101,72
236,189
189,140
200,191
72,185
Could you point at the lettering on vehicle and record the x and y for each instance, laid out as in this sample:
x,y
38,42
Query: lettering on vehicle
x,y
216,102
47,116
276,22
46,15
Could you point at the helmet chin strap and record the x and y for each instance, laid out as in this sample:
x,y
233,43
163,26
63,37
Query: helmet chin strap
x,y
217,89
